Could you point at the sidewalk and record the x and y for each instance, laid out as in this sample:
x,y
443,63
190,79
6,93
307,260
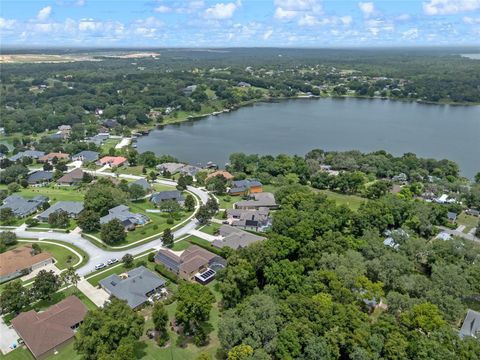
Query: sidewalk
x,y
203,235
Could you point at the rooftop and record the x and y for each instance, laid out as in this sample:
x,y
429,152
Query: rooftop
x,y
235,238
73,208
471,324
74,176
20,258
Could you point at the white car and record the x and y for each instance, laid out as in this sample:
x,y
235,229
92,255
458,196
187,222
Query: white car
x,y
100,266
112,261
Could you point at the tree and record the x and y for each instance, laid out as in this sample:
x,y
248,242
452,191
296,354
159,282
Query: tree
x,y
184,181
14,297
13,187
167,237
110,332
136,191
8,238
127,260
103,196
477,230
70,277
59,219
6,216
423,317
477,177
217,184
194,303
237,281
13,173
113,232
240,352
160,321
203,215
46,283
189,202
31,222
169,206
378,189
89,221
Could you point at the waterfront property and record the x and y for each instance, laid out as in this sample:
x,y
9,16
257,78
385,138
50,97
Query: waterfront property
x,y
72,208
257,201
22,207
223,173
245,187
235,238
21,261
46,332
112,161
172,168
86,156
254,220
128,219
135,286
191,262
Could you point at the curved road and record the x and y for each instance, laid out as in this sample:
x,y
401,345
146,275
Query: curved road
x,y
98,255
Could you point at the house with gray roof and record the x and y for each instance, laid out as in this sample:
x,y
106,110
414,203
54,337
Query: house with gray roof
x,y
162,196
33,154
86,156
72,208
143,183
22,207
172,168
40,177
243,187
235,238
249,219
189,170
135,286
471,325
129,220
257,201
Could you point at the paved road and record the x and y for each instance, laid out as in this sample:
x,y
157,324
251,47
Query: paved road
x,y
98,255
455,232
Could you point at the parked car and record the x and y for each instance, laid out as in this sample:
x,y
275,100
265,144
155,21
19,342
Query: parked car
x,y
100,266
112,261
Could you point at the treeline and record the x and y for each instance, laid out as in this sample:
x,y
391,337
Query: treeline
x,y
324,285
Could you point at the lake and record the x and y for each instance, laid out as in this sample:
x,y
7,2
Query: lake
x,y
298,126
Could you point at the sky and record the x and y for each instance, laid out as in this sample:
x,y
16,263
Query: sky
x,y
234,23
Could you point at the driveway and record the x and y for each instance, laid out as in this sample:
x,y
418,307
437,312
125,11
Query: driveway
x,y
96,295
203,235
8,337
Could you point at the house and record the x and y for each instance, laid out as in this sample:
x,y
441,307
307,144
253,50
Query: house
x,y
400,178
254,220
72,208
187,91
172,168
71,178
110,123
86,156
135,286
472,212
40,177
22,207
257,201
189,170
444,236
162,196
235,238
121,212
245,187
244,84
112,161
223,173
21,261
451,216
44,333
191,262
33,154
51,156
57,136
471,325
143,183
99,138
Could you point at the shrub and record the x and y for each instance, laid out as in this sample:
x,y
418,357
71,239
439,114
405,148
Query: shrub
x,y
151,257
162,270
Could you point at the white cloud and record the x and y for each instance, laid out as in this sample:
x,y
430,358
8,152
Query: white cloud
x,y
346,20
6,24
448,7
403,17
303,10
367,8
307,20
471,21
44,13
162,9
80,2
410,34
221,11
268,34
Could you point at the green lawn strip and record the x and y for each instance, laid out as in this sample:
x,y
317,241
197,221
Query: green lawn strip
x,y
227,201
468,221
161,187
180,245
351,201
21,353
60,253
211,228
54,193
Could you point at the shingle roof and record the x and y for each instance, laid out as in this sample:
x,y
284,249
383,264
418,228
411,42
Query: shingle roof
x,y
471,324
20,258
235,238
43,331
21,206
73,208
134,287
258,200
74,176
28,153
51,156
191,259
143,183
122,213
166,195
40,176
172,168
87,155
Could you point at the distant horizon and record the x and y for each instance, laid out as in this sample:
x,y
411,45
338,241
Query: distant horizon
x,y
239,23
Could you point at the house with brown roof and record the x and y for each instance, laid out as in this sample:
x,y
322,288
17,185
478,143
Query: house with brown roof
x,y
21,261
191,262
223,173
46,332
49,157
71,178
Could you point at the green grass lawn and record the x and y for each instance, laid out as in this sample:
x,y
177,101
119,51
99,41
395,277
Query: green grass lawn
x,y
211,228
64,257
468,220
180,245
227,201
109,143
54,193
161,187
351,201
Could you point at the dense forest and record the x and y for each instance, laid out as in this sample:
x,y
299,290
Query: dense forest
x,y
150,90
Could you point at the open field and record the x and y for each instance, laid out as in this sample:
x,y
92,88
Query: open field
x,y
351,201
54,193
468,220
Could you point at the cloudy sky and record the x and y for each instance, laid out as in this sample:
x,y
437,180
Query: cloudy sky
x,y
201,23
